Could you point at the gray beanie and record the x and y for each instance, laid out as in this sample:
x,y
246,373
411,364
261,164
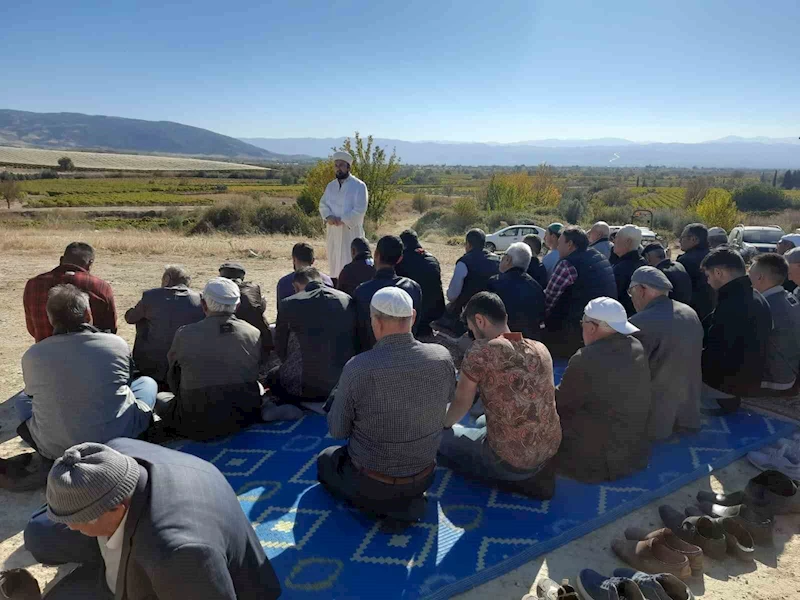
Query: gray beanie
x,y
88,481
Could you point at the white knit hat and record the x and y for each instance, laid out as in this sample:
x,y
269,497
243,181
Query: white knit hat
x,y
394,302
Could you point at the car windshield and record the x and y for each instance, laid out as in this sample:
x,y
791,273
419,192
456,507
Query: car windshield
x,y
763,236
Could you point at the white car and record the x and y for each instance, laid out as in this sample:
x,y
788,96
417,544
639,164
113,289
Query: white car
x,y
648,235
502,239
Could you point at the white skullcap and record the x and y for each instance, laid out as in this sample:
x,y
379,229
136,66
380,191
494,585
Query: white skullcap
x,y
346,157
792,238
610,312
222,291
394,302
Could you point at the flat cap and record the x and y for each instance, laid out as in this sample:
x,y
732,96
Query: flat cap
x,y
651,247
651,277
231,266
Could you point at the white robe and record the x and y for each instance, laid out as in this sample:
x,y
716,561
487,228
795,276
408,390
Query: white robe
x,y
349,203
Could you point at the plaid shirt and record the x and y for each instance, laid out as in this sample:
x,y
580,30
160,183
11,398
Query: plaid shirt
x,y
34,299
564,275
390,404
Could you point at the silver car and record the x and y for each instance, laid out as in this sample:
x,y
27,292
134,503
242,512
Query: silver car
x,y
500,240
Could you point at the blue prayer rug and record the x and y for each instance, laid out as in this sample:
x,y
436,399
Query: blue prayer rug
x,y
322,548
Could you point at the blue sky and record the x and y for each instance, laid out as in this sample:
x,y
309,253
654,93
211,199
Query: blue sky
x,y
500,71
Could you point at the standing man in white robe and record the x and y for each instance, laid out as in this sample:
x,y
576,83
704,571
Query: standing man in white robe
x,y
343,206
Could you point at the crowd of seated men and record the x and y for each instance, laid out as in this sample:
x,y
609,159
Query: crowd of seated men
x,y
651,344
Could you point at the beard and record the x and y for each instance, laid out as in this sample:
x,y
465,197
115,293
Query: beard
x,y
341,175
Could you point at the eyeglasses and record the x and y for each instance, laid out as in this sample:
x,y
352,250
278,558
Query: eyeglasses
x,y
631,288
587,321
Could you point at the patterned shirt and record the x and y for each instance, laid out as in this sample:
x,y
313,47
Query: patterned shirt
x,y
515,379
564,275
101,299
391,402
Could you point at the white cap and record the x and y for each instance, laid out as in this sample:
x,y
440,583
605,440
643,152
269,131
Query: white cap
x,y
346,157
394,302
792,238
222,291
610,312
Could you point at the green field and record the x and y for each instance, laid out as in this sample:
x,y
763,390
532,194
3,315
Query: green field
x,y
119,199
667,197
84,187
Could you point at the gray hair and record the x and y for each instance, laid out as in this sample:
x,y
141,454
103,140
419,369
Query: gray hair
x,y
217,307
602,228
175,275
67,306
792,256
520,255
632,233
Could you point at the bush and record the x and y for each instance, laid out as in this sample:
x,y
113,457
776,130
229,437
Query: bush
x,y
287,179
613,197
758,197
48,174
257,216
573,211
717,209
308,202
672,220
696,190
420,202
613,215
65,164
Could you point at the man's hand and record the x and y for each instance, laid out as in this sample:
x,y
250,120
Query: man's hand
x,y
333,221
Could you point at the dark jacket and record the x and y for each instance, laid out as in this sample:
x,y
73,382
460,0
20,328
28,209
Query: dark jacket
x,y
595,279
604,402
538,271
524,300
363,296
623,271
213,372
361,269
603,246
702,294
481,265
423,267
736,337
252,306
680,280
324,323
186,535
157,316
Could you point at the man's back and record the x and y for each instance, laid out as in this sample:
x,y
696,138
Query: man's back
x,y
324,321
285,289
184,514
623,271
363,296
353,274
34,299
391,403
672,337
680,280
702,294
538,272
783,350
251,310
79,385
422,267
523,299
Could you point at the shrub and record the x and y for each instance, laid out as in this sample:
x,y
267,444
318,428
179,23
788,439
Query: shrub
x,y
257,217
696,190
420,202
760,197
573,211
48,174
613,215
65,164
613,197
308,202
287,179
717,209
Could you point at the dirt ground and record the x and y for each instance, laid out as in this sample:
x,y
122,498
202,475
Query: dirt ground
x,y
133,261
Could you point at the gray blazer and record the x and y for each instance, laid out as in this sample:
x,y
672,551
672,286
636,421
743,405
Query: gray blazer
x,y
783,349
672,337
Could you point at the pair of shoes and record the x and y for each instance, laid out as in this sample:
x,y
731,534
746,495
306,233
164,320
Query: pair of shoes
x,y
755,523
661,586
770,492
693,553
627,584
19,584
547,589
738,540
653,555
285,412
698,531
784,458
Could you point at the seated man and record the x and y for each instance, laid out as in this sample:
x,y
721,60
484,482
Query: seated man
x,y
314,338
421,266
470,276
582,276
768,273
785,244
388,253
626,249
359,270
74,268
521,430
599,236
604,399
694,244
157,316
736,333
390,406
213,369
146,522
551,238
302,256
793,259
655,256
78,382
717,237
252,305
536,269
522,297
672,337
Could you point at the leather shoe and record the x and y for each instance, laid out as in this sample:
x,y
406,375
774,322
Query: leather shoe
x,y
547,589
673,542
757,525
740,542
19,584
661,586
700,531
653,556
770,492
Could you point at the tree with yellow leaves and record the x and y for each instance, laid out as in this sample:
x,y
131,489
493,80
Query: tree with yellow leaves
x,y
717,209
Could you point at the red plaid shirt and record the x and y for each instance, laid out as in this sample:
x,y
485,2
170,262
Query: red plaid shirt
x,y
101,299
564,275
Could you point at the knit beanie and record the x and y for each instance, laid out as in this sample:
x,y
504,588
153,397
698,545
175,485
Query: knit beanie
x,y
88,481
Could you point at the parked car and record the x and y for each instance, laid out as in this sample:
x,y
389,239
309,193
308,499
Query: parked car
x,y
752,240
502,239
648,235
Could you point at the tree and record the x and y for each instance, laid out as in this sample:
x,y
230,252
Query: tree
x,y
756,197
371,166
696,190
763,178
10,190
65,164
317,179
717,209
420,202
775,179
637,181
787,181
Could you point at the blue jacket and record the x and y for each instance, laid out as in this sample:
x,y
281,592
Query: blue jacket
x,y
524,301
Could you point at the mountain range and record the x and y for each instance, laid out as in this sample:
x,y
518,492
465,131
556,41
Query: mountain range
x,y
728,152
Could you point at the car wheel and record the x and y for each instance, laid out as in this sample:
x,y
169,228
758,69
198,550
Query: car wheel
x,y
490,247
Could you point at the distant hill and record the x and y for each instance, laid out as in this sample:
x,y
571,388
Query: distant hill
x,y
730,152
92,132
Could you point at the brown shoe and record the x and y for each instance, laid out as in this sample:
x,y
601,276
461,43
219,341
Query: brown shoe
x,y
673,542
740,542
19,584
756,524
653,556
700,531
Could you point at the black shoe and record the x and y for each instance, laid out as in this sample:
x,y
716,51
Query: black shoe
x,y
19,584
